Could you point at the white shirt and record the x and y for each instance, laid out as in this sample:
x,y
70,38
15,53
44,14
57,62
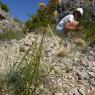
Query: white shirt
x,y
68,18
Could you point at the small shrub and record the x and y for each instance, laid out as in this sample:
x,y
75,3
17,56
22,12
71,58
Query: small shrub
x,y
88,24
28,26
10,34
4,7
17,20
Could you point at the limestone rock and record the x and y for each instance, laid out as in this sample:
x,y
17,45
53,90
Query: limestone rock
x,y
8,23
92,92
80,42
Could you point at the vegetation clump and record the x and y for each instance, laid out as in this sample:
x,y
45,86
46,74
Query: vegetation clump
x,y
10,34
4,7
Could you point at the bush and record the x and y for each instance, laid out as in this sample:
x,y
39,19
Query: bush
x,y
42,18
88,24
4,7
28,26
10,34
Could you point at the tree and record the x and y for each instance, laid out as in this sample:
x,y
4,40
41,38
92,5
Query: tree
x,y
42,18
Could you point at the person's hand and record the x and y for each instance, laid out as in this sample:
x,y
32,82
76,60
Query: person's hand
x,y
75,23
71,26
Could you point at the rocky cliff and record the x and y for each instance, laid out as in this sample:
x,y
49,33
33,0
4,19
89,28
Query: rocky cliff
x,y
7,22
73,74
73,4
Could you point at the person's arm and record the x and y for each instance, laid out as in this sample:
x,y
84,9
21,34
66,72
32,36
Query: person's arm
x,y
72,25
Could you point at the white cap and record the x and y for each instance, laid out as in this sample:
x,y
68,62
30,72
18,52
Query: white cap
x,y
42,4
80,10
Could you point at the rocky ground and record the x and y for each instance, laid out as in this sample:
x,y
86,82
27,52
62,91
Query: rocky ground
x,y
72,75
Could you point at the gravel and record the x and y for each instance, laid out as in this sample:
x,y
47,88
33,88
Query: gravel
x,y
73,75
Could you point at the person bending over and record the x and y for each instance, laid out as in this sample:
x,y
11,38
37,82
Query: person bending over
x,y
70,22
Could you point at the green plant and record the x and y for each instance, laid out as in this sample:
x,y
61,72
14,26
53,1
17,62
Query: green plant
x,y
24,77
17,20
4,7
10,34
28,26
88,24
42,18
